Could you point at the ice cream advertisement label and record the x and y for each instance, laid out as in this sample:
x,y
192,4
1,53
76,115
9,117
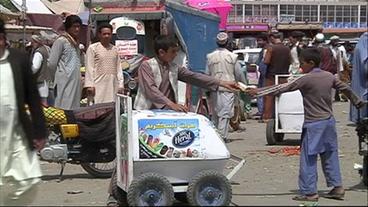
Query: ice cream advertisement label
x,y
169,138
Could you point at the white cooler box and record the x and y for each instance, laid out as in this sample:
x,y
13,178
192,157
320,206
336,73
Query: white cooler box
x,y
290,112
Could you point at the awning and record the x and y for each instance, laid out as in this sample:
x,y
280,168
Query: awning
x,y
46,20
219,7
345,30
247,27
15,32
33,6
141,12
6,14
65,6
299,26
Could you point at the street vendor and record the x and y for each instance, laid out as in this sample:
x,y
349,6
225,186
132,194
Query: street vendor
x,y
158,78
319,131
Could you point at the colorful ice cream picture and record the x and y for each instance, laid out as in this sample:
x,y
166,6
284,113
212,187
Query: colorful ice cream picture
x,y
168,138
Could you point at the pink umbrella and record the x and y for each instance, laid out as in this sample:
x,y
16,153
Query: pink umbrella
x,y
219,7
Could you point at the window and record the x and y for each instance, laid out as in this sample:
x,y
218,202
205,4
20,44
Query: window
x,y
256,10
331,13
231,15
248,10
347,14
239,13
354,14
306,12
323,15
339,13
291,9
273,10
314,13
265,10
299,13
363,16
283,9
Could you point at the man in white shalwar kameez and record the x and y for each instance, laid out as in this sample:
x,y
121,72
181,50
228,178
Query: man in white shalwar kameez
x,y
103,77
221,65
22,132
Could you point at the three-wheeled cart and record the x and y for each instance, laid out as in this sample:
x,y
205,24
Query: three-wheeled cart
x,y
289,115
163,155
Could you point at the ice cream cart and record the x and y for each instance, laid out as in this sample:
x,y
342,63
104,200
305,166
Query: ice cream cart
x,y
163,155
289,115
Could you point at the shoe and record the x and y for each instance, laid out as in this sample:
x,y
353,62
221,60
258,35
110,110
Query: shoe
x,y
337,193
111,201
227,140
313,198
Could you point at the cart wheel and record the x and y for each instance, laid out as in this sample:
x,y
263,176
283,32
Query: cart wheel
x,y
365,170
150,189
271,136
117,192
209,188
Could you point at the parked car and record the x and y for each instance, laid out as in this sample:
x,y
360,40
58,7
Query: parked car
x,y
250,57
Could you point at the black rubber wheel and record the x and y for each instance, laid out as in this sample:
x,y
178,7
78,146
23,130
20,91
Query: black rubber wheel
x,y
365,170
100,170
150,189
271,136
119,194
209,188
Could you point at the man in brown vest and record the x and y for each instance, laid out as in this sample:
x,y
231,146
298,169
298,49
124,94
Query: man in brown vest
x,y
278,59
39,67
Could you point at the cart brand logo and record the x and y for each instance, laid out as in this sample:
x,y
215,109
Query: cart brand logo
x,y
183,138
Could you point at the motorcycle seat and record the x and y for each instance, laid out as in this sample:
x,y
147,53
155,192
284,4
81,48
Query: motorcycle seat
x,y
94,111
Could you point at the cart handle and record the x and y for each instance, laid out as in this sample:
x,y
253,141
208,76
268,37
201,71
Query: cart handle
x,y
240,164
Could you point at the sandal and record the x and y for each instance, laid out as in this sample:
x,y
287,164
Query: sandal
x,y
337,194
112,202
313,197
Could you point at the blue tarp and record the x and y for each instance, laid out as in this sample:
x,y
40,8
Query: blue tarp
x,y
199,30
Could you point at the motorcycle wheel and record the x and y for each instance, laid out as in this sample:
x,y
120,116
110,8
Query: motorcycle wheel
x,y
100,170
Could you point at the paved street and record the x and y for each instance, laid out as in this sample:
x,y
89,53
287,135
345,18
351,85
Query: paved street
x,y
266,179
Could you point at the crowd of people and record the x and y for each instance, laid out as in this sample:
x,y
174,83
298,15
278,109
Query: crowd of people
x,y
56,73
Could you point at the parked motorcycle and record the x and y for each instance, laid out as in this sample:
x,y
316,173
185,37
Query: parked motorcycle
x,y
130,65
85,136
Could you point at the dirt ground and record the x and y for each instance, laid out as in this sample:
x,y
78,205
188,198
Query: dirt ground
x,y
266,178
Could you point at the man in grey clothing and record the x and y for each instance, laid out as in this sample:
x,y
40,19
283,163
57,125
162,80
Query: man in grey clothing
x,y
64,62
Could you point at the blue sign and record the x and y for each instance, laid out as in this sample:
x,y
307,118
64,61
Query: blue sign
x,y
183,138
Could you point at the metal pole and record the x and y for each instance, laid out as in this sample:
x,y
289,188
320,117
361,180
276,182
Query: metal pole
x,y
89,27
24,10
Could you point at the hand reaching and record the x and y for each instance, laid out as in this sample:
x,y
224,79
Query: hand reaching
x,y
360,104
231,85
178,107
121,91
251,91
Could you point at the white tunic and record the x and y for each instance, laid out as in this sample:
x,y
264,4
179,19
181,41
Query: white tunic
x,y
103,72
17,161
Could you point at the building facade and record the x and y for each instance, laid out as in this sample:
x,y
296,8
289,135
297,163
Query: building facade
x,y
333,15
